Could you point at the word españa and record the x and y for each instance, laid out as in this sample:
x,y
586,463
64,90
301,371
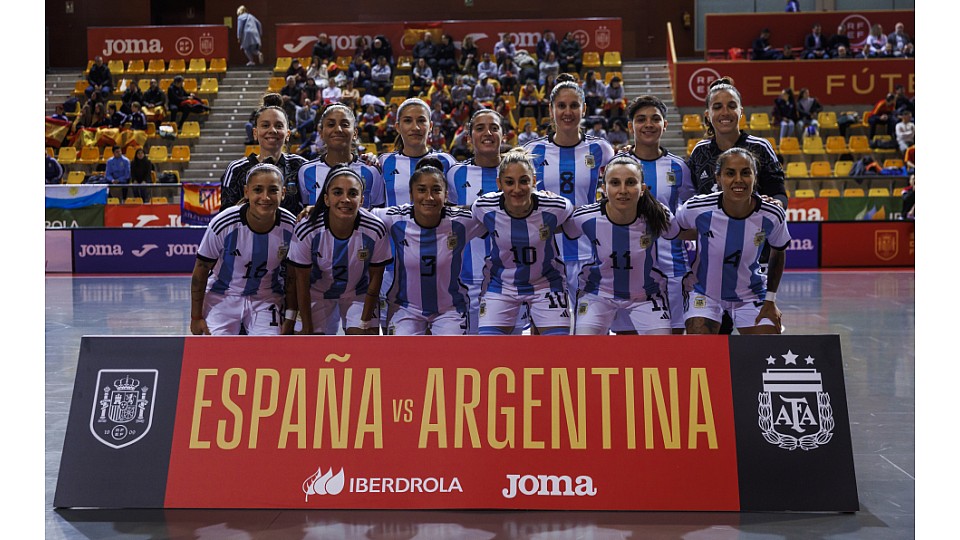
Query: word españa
x,y
278,403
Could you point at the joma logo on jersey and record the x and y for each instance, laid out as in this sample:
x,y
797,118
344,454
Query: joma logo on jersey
x,y
100,250
794,410
548,485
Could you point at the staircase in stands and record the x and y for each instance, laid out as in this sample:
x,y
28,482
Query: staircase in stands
x,y
651,77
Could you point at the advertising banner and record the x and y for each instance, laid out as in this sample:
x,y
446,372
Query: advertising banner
x,y
865,208
57,252
593,34
74,196
831,81
145,42
804,248
710,423
871,243
805,209
72,218
135,250
142,215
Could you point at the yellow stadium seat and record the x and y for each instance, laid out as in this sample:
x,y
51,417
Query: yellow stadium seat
x,y
827,120
50,152
106,154
165,83
180,154
829,192
252,149
190,85
75,177
836,145
895,163
611,59
133,200
859,144
804,194
89,155
198,66
404,63
157,154
854,192
136,67
610,75
115,67
522,123
190,130
401,83
177,66
275,84
820,169
790,146
773,144
692,123
282,64
743,123
690,144
797,169
343,62
144,84
171,171
156,66
878,192
591,59
388,147
159,200
898,191
113,200
67,155
80,87
209,87
218,66
842,168
760,121
813,146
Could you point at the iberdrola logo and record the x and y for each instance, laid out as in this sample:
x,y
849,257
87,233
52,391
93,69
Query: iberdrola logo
x,y
323,483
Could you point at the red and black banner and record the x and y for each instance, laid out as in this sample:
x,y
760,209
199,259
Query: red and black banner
x,y
707,423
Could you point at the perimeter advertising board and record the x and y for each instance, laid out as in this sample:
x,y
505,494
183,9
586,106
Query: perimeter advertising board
x,y
145,42
135,250
576,422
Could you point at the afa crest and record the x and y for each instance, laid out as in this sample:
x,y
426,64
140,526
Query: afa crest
x,y
671,178
363,254
794,411
645,241
759,238
123,406
544,232
452,242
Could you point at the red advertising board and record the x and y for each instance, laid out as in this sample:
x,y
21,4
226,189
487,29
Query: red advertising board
x,y
867,243
806,209
726,30
596,34
832,81
142,215
167,42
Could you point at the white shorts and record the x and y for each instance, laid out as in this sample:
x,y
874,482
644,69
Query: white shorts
x,y
675,299
343,312
474,291
259,316
744,314
547,309
410,322
597,315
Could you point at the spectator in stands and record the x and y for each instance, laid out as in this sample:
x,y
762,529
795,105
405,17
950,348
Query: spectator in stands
x,y
248,34
446,56
903,101
361,73
363,53
529,101
468,56
785,113
100,117
762,50
899,39
100,81
546,45
422,78
787,53
439,92
504,48
460,148
312,92
332,93
305,118
508,74
906,131
570,55
889,51
118,170
381,47
322,50
53,170
487,67
815,44
909,200
183,102
115,118
617,136
837,40
875,43
436,139
549,67
843,53
370,99
436,112
388,126
527,65
808,107
350,96
614,99
297,71
596,130
291,96
909,158
527,135
154,102
594,93
381,77
426,50
141,172
130,94
883,113
484,93
793,6
58,113
368,123
318,72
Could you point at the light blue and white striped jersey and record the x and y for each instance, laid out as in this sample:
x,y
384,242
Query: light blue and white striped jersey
x,y
572,172
668,179
471,181
524,258
728,249
625,256
312,174
427,261
397,170
247,263
340,266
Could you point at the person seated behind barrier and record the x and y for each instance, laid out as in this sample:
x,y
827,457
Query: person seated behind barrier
x,y
614,99
899,39
131,94
100,81
381,77
115,118
815,44
762,50
179,100
906,131
154,102
808,107
876,41
118,170
141,172
53,170
883,114
837,40
570,54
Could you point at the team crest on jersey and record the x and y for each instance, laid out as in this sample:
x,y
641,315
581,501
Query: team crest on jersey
x,y
483,309
589,161
452,242
759,238
645,241
544,232
794,411
582,308
123,406
363,254
671,178
699,301
282,251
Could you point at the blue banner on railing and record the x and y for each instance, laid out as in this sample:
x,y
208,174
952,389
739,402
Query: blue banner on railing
x,y
135,250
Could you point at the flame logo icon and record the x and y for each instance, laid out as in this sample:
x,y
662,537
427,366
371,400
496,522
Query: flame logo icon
x,y
323,483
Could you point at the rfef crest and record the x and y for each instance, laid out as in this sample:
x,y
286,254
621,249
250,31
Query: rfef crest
x,y
123,406
794,411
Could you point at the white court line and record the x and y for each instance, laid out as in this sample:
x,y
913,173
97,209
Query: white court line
x,y
896,467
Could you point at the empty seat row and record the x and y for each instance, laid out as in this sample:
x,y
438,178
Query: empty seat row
x,y
159,66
